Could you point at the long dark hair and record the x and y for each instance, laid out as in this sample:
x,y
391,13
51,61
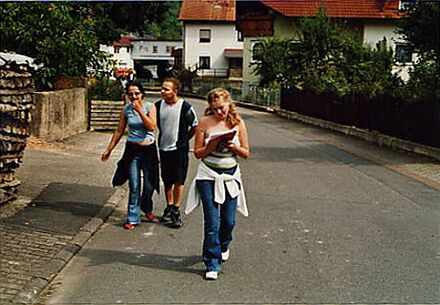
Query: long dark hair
x,y
135,84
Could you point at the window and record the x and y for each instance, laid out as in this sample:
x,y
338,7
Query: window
x,y
128,49
239,36
406,4
403,53
154,49
256,49
170,49
205,36
116,50
204,62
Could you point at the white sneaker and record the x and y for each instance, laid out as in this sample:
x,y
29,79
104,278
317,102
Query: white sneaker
x,y
211,275
225,255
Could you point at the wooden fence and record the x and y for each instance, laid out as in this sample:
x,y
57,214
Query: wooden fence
x,y
417,122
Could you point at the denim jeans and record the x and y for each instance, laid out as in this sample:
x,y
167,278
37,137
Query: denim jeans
x,y
138,200
219,221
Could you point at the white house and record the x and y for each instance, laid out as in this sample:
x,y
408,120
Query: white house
x,y
153,55
211,43
148,56
373,21
120,52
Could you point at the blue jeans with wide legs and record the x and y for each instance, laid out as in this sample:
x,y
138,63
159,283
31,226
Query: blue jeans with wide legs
x,y
139,200
219,222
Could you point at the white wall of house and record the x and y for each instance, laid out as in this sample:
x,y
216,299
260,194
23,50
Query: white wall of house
x,y
154,49
373,32
223,36
376,31
123,57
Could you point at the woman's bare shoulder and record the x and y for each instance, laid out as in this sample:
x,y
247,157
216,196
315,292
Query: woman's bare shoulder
x,y
206,120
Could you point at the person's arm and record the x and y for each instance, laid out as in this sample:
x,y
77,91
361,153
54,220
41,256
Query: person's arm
x,y
116,137
148,120
200,149
241,150
193,122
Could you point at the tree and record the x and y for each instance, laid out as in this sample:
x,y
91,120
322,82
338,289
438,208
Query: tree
x,y
167,27
326,57
421,29
268,63
64,36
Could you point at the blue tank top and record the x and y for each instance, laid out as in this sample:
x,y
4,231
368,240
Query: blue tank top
x,y
136,128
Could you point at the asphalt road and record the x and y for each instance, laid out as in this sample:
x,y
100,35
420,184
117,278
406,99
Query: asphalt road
x,y
325,226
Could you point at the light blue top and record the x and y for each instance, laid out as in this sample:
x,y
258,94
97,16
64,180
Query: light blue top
x,y
137,132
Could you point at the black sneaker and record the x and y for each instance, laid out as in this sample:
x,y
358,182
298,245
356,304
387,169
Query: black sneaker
x,y
175,222
166,217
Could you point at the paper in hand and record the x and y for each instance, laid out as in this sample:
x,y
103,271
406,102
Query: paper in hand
x,y
223,136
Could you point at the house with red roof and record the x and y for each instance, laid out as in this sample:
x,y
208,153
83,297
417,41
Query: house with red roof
x,y
120,52
150,57
373,22
153,57
211,43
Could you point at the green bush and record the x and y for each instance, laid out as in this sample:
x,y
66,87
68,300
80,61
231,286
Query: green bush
x,y
106,89
326,58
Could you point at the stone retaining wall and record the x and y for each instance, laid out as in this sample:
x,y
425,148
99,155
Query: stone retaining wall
x,y
60,114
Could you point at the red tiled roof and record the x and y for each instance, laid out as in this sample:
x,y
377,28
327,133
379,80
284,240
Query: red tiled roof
x,y
207,10
337,8
125,41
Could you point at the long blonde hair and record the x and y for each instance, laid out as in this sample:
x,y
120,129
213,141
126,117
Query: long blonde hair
x,y
222,94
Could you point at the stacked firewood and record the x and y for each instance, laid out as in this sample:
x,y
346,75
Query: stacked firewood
x,y
16,94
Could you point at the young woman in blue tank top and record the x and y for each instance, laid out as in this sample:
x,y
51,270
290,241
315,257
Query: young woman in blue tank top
x,y
217,184
140,154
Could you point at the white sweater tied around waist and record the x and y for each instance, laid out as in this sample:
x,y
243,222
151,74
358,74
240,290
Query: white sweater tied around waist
x,y
232,182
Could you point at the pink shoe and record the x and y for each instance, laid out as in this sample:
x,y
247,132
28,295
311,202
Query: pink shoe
x,y
129,226
150,216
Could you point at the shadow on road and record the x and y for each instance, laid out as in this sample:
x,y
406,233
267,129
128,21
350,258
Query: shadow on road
x,y
62,208
175,263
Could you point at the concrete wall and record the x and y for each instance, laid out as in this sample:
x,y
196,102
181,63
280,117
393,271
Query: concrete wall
x,y
59,114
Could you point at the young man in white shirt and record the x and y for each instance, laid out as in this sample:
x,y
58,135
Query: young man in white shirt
x,y
176,121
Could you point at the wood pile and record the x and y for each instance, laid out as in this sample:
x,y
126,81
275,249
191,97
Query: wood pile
x,y
16,102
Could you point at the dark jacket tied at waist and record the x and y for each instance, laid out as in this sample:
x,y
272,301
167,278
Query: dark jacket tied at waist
x,y
149,155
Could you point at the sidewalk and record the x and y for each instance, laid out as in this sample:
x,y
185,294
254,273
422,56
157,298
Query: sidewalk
x,y
64,202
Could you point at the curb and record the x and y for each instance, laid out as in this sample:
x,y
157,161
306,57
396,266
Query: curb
x,y
39,281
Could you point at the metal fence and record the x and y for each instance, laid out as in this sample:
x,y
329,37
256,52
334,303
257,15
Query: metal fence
x,y
240,91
